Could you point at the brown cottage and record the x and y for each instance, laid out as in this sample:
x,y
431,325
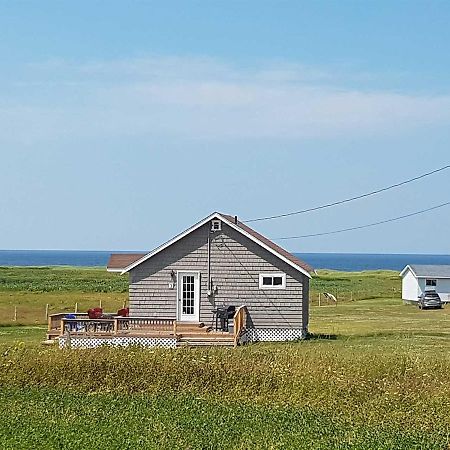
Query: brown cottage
x,y
219,265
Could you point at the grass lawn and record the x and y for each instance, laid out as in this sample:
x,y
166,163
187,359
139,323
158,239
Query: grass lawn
x,y
374,376
380,317
29,290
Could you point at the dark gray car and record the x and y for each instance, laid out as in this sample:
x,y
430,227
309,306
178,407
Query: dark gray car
x,y
430,299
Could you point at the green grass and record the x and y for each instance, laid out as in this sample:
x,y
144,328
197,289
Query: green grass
x,y
356,285
55,419
31,306
28,290
30,336
61,279
379,317
376,376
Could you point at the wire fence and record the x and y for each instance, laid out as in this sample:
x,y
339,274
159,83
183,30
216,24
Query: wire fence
x,y
321,298
25,314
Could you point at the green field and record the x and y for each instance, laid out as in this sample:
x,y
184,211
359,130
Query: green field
x,y
374,375
25,292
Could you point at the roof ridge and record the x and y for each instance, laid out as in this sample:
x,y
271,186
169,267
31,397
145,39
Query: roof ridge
x,y
270,243
251,234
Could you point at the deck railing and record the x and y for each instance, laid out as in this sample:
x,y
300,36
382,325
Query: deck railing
x,y
60,324
124,324
54,320
87,326
239,322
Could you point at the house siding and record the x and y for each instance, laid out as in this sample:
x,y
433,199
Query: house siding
x,y
236,262
442,287
410,287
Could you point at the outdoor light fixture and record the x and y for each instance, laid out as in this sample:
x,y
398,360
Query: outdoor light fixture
x,y
173,278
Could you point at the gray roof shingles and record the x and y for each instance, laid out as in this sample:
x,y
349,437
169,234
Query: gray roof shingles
x,y
432,271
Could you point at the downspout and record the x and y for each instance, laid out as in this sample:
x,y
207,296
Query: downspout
x,y
208,289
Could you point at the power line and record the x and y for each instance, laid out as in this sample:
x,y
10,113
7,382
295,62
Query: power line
x,y
343,230
351,199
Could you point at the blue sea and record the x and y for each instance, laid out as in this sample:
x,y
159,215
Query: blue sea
x,y
336,261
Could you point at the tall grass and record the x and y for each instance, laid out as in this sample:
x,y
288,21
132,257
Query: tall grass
x,y
364,386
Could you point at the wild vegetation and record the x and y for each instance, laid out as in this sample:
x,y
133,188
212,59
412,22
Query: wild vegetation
x,y
374,375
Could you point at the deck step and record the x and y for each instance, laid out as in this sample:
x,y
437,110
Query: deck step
x,y
196,325
205,343
205,339
197,332
52,335
191,330
205,334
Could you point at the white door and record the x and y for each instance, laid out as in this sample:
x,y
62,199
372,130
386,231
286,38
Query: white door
x,y
188,296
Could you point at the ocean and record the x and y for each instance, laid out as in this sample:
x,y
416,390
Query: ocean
x,y
337,261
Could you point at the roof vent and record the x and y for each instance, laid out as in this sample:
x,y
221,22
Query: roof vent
x,y
216,225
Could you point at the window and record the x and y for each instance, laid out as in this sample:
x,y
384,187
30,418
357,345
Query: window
x,y
431,283
216,225
272,281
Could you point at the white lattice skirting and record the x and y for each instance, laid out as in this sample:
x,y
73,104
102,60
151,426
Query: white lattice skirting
x,y
273,334
93,342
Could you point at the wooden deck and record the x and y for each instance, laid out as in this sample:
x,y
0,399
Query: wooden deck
x,y
185,333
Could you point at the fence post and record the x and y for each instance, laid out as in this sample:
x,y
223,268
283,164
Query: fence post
x,y
15,313
46,311
76,307
319,299
100,303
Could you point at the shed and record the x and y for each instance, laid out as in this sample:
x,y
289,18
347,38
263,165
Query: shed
x,y
217,263
417,279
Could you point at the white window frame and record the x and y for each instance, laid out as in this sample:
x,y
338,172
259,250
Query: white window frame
x,y
431,280
272,275
216,225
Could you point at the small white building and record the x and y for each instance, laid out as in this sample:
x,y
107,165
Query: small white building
x,y
417,279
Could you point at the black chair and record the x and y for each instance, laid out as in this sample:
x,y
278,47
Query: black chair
x,y
224,314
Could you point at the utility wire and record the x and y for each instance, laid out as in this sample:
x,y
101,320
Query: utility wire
x,y
351,199
364,226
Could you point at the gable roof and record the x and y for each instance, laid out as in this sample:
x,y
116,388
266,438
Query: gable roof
x,y
276,248
118,261
259,239
428,270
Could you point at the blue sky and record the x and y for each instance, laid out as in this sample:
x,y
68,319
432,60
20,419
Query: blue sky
x,y
121,124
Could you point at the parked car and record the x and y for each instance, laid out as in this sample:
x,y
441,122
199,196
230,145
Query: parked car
x,y
430,299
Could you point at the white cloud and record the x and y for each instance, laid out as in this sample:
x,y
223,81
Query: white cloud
x,y
203,98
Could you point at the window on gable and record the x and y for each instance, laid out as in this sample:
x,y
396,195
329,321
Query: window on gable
x,y
431,283
216,225
272,281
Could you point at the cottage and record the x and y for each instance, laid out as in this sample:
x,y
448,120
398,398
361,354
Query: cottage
x,y
217,283
220,263
417,279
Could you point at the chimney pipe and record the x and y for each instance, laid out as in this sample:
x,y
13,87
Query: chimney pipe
x,y
235,220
